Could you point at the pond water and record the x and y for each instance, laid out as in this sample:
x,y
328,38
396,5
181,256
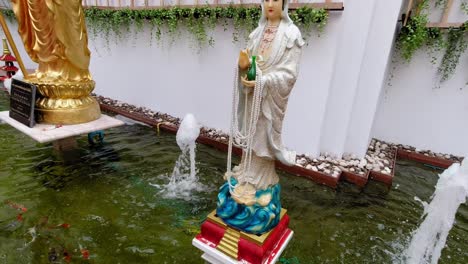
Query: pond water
x,y
102,205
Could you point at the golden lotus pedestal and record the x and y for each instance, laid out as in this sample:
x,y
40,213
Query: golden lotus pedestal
x,y
65,103
79,111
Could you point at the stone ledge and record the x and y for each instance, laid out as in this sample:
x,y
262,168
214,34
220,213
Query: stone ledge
x,y
44,133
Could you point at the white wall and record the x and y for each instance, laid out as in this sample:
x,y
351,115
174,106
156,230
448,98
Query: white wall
x,y
414,111
417,110
346,72
363,53
307,103
175,79
371,76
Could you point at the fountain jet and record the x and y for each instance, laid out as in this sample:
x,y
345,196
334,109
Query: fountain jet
x,y
430,237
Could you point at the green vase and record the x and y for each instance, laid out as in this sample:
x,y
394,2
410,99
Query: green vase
x,y
252,73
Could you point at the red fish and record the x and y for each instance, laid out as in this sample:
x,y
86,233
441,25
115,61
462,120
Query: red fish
x,y
85,253
16,206
20,217
66,256
64,225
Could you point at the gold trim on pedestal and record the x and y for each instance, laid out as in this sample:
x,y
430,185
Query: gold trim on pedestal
x,y
257,239
229,244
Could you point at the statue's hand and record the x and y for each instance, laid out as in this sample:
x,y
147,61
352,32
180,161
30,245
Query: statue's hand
x,y
247,83
244,62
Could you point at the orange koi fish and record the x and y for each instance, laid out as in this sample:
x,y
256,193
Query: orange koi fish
x,y
19,217
66,256
85,253
16,206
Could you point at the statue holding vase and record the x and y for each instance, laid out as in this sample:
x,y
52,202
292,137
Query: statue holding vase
x,y
250,198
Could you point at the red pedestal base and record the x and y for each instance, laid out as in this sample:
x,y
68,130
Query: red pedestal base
x,y
250,248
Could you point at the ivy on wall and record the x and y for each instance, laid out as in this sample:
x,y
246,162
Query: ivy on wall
x,y
464,6
415,35
198,21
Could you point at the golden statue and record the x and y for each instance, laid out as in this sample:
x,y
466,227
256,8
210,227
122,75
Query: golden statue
x,y
54,35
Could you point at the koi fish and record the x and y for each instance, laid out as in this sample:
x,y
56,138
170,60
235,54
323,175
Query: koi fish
x,y
64,226
16,206
66,256
19,218
84,252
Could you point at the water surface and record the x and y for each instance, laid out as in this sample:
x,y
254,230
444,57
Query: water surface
x,y
106,196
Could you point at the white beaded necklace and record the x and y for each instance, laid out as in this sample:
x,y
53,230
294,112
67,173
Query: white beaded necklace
x,y
244,139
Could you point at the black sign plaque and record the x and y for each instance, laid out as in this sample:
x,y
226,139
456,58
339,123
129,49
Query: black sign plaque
x,y
22,102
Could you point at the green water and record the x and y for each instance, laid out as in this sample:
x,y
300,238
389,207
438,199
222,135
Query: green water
x,y
105,195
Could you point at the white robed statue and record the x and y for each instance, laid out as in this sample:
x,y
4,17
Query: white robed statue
x,y
250,199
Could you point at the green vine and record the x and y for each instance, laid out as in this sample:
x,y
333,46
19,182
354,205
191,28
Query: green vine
x,y
199,21
456,46
412,36
464,6
8,14
305,18
415,35
440,3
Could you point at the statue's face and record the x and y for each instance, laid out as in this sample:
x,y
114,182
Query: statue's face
x,y
273,9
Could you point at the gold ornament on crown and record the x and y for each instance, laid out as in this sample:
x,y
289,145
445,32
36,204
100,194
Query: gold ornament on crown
x,y
54,35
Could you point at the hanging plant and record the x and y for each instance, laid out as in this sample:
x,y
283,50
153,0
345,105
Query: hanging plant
x,y
199,21
412,36
416,35
8,14
306,17
440,3
464,6
456,46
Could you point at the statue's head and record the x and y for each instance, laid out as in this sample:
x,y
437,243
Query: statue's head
x,y
273,9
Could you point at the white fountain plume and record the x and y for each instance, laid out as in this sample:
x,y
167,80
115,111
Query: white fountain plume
x,y
188,132
430,237
184,178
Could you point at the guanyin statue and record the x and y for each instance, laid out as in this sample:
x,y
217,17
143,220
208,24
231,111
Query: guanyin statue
x,y
250,199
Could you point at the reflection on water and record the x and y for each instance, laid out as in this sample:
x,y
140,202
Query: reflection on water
x,y
101,207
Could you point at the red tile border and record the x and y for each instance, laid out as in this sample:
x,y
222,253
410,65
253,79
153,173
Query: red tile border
x,y
357,179
418,157
316,176
387,179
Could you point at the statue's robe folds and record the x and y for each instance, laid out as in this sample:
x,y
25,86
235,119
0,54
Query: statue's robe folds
x,y
54,35
279,73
